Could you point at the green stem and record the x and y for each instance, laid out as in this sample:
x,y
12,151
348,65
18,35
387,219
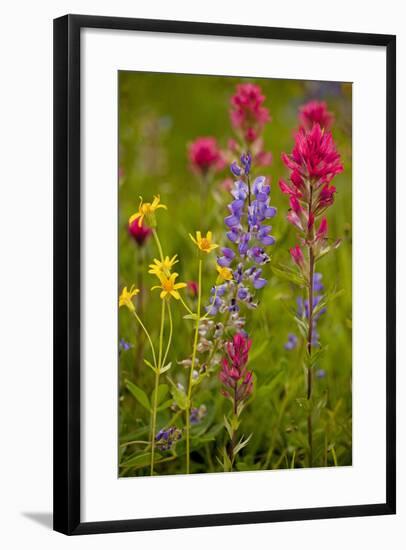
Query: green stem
x,y
157,375
158,244
170,333
185,305
189,393
310,334
147,335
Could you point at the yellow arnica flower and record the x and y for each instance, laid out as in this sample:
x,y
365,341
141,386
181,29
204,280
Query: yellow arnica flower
x,y
169,287
204,243
126,297
163,268
147,209
225,273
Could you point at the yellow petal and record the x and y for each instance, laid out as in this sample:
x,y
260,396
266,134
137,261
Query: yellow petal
x,y
193,239
179,285
163,294
175,294
209,236
198,236
134,217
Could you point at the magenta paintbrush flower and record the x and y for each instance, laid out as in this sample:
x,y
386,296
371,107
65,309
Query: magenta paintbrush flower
x,y
234,375
247,111
140,233
314,157
315,112
204,155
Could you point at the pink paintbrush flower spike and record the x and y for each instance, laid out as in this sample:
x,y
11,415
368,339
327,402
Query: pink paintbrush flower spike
x,y
235,377
315,112
204,155
314,156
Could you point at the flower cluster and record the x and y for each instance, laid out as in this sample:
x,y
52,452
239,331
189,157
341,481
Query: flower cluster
x,y
314,162
234,375
205,155
165,439
240,265
315,112
249,118
314,157
247,111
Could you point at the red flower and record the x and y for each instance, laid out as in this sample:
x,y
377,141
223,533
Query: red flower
x,y
315,112
204,154
322,230
247,112
139,233
314,156
193,288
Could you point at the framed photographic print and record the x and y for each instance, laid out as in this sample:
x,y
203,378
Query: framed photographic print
x,y
224,274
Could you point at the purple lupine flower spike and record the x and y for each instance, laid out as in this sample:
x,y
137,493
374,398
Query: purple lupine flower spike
x,y
249,235
303,307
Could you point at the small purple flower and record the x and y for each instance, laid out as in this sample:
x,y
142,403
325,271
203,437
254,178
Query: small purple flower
x,y
242,293
243,244
320,373
240,191
233,235
235,169
317,284
292,342
227,257
258,255
166,438
303,307
123,345
197,414
246,162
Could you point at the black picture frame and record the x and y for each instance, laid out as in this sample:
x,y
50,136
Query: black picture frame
x,y
67,279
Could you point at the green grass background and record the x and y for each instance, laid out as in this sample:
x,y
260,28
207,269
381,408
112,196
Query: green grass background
x,y
159,114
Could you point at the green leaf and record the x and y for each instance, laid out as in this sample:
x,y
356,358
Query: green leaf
x,y
285,272
165,405
258,351
192,316
228,427
241,444
150,365
139,395
180,398
165,368
162,391
140,461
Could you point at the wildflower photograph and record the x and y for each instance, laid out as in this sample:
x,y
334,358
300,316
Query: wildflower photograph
x,y
235,274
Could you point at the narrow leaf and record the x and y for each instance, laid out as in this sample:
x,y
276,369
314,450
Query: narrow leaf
x,y
139,395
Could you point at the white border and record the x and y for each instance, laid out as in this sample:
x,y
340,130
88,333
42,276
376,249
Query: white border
x,y
103,496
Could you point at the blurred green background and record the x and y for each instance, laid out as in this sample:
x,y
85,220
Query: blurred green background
x,y
159,115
